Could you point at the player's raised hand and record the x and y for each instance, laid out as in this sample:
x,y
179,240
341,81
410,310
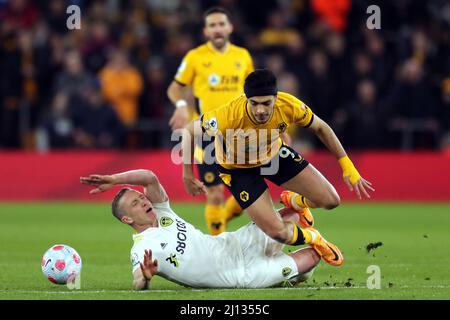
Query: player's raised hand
x,y
150,267
353,179
102,182
359,186
179,119
193,186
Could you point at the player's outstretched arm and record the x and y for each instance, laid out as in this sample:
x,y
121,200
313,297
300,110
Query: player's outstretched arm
x,y
192,185
146,178
351,176
143,275
180,116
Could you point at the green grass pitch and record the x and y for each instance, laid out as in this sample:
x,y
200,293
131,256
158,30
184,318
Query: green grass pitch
x,y
414,258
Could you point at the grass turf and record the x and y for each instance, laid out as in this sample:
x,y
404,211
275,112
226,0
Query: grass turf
x,y
413,259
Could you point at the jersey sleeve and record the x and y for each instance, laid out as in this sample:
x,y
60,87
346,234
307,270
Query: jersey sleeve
x,y
214,122
303,115
186,71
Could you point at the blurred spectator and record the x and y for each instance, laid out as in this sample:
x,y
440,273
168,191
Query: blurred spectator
x,y
375,46
96,123
365,116
97,46
413,107
56,16
275,63
318,89
122,86
153,103
73,79
57,128
278,33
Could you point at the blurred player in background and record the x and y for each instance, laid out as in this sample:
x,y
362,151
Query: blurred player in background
x,y
169,246
216,71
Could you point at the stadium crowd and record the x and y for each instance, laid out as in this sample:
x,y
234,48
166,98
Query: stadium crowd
x,y
103,86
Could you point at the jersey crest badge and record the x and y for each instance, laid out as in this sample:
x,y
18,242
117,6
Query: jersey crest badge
x,y
165,221
286,271
244,196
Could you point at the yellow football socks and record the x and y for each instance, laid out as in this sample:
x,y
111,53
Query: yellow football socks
x,y
298,201
300,236
231,208
215,219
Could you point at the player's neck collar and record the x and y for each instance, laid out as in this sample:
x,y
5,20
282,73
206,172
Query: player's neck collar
x,y
211,47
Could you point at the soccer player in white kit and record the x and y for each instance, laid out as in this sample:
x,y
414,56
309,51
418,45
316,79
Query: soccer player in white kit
x,y
169,246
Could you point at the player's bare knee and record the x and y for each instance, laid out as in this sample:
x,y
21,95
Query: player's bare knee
x,y
332,201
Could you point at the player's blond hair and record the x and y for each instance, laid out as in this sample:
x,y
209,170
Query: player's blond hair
x,y
116,211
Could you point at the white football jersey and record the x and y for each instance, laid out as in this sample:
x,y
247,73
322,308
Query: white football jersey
x,y
187,256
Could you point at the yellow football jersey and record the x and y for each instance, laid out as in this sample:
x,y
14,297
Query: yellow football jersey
x,y
216,78
240,142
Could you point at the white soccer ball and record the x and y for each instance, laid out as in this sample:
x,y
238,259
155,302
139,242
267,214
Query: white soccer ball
x,y
61,264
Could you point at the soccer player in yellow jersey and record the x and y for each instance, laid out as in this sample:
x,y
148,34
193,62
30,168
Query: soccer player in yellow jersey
x,y
216,72
249,150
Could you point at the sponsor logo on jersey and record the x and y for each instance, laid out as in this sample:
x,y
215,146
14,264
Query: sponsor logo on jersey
x,y
207,64
244,196
163,245
214,79
165,221
172,259
181,236
286,271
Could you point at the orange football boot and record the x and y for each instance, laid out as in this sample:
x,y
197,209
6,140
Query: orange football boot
x,y
327,250
306,217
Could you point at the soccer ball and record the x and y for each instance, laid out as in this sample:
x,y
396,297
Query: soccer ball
x,y
61,264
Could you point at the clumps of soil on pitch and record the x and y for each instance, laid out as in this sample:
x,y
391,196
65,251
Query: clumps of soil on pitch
x,y
425,236
373,246
427,279
349,283
391,284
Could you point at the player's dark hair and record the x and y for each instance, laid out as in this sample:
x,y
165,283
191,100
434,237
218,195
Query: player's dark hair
x,y
216,10
261,82
115,204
